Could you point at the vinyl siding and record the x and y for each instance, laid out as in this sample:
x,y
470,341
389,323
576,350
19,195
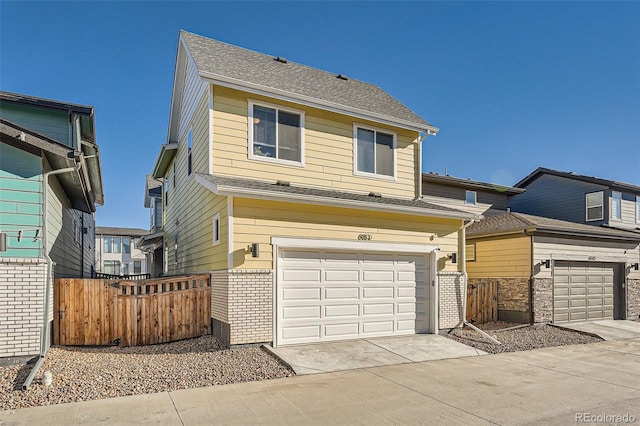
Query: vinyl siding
x,y
256,221
191,206
20,201
328,152
557,197
628,210
546,247
193,89
51,123
487,202
501,257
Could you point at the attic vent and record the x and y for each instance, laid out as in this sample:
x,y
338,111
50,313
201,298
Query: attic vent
x,y
281,59
375,194
283,183
342,77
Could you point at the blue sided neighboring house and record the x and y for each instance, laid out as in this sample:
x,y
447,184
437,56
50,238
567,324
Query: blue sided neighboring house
x,y
50,182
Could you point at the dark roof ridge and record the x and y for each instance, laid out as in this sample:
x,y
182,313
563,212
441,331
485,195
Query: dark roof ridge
x,y
577,176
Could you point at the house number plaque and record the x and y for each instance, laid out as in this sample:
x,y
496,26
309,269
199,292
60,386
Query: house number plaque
x,y
365,237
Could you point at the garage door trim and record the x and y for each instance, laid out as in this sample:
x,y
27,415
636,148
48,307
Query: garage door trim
x,y
280,243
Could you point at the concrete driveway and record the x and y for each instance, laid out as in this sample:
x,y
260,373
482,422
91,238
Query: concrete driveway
x,y
552,386
606,329
367,353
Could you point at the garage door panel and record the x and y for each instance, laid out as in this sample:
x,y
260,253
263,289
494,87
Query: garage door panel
x,y
408,307
382,258
341,293
308,275
377,309
301,256
301,312
301,332
345,329
342,275
577,291
378,327
378,276
377,292
299,294
341,311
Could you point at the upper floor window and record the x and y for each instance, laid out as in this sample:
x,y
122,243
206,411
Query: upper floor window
x,y
616,205
126,245
189,143
595,206
166,191
637,208
112,244
374,152
470,197
137,266
276,134
216,229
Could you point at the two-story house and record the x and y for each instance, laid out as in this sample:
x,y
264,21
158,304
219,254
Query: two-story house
x,y
299,190
50,181
569,250
117,252
152,244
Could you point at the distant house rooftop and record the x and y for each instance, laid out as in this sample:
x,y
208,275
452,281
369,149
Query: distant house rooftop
x,y
572,175
125,232
469,183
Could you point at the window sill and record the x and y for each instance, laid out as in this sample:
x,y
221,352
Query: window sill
x,y
278,161
374,176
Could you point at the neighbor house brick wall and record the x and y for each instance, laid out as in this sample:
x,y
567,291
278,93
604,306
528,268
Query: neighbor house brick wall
x,y
542,299
633,298
450,286
243,300
22,288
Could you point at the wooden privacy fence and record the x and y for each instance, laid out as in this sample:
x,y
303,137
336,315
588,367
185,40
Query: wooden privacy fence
x,y
482,301
131,313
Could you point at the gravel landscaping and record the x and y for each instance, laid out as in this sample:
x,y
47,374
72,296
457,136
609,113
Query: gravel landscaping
x,y
514,337
82,373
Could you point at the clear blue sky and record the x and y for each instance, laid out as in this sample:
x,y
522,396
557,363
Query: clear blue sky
x,y
511,85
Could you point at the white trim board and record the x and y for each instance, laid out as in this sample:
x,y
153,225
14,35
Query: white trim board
x,y
316,243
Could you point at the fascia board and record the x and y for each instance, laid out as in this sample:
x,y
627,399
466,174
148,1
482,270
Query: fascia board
x,y
312,102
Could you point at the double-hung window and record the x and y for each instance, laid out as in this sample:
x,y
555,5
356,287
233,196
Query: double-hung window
x,y
595,206
470,197
375,152
276,134
616,205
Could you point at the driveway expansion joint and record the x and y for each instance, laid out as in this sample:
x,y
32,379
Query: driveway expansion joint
x,y
175,408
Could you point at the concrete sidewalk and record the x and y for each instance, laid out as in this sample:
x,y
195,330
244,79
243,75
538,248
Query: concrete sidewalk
x,y
606,329
545,386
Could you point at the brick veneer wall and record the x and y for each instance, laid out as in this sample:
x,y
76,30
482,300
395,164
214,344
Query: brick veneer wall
x,y
450,285
633,298
542,299
242,301
22,287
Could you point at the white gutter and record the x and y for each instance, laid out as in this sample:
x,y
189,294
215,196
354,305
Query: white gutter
x,y
44,332
463,229
334,202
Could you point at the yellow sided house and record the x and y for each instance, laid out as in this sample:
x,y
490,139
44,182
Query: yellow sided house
x,y
298,190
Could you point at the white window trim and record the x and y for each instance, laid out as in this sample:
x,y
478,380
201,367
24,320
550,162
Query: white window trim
x,y
470,258
637,208
586,206
475,197
356,172
301,113
216,219
189,152
617,219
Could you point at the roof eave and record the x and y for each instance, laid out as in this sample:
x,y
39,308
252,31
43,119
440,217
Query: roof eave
x,y
166,154
334,202
316,103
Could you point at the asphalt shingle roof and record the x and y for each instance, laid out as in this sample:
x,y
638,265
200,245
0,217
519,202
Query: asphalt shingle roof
x,y
223,181
575,176
225,60
517,221
125,232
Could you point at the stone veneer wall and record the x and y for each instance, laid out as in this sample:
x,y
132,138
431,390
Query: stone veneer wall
x,y
242,305
542,299
450,285
22,288
513,297
633,298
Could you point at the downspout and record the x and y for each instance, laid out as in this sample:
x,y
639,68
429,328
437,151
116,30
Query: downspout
x,y
45,332
531,277
463,230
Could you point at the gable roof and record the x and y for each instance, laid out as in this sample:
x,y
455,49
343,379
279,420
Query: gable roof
x,y
248,70
468,183
257,189
117,231
571,175
516,222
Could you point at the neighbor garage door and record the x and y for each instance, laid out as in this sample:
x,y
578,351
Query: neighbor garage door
x,y
333,295
582,291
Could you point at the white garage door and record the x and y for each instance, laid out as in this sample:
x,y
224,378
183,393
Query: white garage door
x,y
333,295
582,291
